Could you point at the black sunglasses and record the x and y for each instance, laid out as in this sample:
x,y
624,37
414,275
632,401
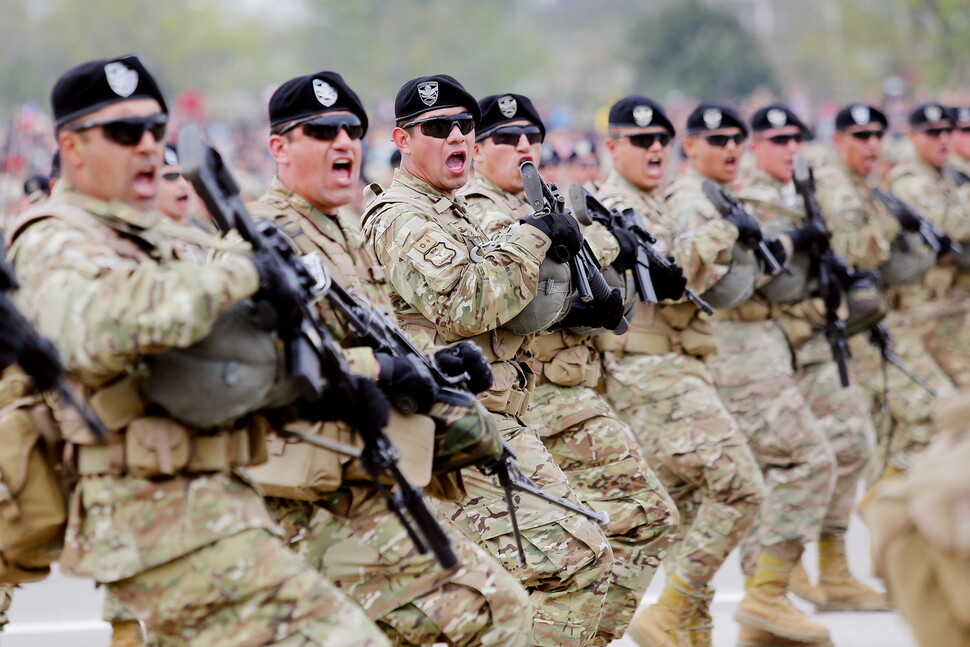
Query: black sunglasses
x,y
782,140
327,127
936,132
510,135
647,140
866,135
129,130
720,141
965,129
441,127
171,176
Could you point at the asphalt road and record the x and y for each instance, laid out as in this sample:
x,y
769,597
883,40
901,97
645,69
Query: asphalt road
x,y
62,611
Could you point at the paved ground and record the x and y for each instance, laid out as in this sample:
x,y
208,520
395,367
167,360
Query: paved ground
x,y
65,611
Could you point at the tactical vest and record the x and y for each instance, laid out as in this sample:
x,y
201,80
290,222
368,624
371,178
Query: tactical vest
x,y
662,329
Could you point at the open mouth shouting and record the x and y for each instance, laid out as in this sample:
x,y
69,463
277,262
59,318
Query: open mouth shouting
x,y
342,171
456,163
143,183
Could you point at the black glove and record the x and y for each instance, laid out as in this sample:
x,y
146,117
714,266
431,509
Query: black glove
x,y
11,335
908,219
748,228
407,382
668,282
275,289
356,400
946,245
562,230
606,313
777,250
629,244
811,233
466,359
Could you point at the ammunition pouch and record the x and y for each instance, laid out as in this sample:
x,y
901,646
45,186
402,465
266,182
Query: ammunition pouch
x,y
738,284
567,359
659,330
909,260
463,436
551,303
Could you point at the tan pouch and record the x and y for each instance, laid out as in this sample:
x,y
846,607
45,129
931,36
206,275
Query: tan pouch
x,y
496,398
117,405
569,366
939,280
295,470
678,316
753,310
413,435
698,339
33,494
156,447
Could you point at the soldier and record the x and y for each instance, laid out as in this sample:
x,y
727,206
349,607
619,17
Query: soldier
x,y
656,377
753,373
869,238
594,448
449,282
842,413
925,184
159,515
316,127
960,142
176,197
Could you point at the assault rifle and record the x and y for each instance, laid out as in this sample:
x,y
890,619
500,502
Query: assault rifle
x,y
312,355
933,237
880,338
37,356
545,199
731,209
588,210
829,270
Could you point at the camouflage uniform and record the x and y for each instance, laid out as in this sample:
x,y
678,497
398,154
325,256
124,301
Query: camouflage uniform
x,y
594,448
350,535
449,283
753,372
862,233
935,196
194,554
6,597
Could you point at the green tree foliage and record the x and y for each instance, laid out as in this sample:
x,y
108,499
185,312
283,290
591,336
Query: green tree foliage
x,y
698,50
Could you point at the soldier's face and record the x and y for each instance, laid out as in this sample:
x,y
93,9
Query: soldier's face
x,y
640,155
775,148
710,159
108,170
859,147
932,145
175,193
323,171
961,140
499,162
442,163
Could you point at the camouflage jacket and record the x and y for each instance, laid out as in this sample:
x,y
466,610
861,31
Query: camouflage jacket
x,y
934,195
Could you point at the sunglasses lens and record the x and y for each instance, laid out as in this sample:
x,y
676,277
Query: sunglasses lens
x,y
510,136
323,132
124,132
866,135
441,128
936,132
506,139
648,140
720,141
171,176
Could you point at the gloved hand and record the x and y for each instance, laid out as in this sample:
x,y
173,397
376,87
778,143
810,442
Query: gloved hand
x,y
357,401
276,290
407,382
908,219
946,246
811,233
562,230
11,335
629,243
777,250
606,313
465,358
668,282
748,228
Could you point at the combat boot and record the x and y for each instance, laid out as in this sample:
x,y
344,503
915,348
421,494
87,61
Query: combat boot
x,y
126,633
766,606
801,586
701,624
748,637
667,623
843,592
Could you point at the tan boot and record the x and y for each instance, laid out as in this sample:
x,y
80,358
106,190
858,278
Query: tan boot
x,y
701,624
754,638
766,606
126,633
666,624
842,591
800,585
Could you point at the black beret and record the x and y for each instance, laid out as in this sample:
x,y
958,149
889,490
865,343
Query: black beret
x,y
313,94
96,84
638,111
171,155
712,116
37,183
427,93
500,109
930,114
775,116
859,114
960,114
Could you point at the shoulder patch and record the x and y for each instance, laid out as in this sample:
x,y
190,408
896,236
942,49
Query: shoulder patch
x,y
435,251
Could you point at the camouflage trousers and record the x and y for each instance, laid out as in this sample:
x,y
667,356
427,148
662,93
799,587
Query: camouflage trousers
x,y
607,471
754,375
948,338
697,451
568,558
6,597
352,538
901,408
844,417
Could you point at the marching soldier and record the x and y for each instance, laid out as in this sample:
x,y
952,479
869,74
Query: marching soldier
x,y
160,515
753,372
451,282
657,378
594,448
316,127
842,412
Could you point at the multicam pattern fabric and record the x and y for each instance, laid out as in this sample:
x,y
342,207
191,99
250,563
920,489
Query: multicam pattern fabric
x,y
933,195
6,597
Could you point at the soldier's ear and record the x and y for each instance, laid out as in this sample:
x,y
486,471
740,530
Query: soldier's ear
x,y
402,140
278,149
70,144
